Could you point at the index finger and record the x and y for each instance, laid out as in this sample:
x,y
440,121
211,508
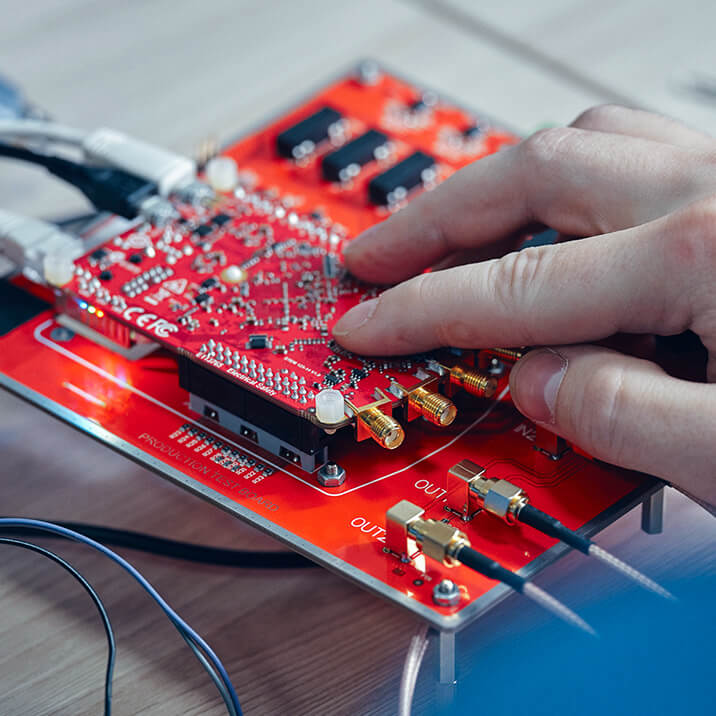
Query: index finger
x,y
578,291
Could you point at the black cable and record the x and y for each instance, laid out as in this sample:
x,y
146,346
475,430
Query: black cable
x,y
182,626
553,527
112,649
108,189
484,565
489,568
202,554
216,679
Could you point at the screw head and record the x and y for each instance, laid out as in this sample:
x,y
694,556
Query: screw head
x,y
61,334
331,475
446,593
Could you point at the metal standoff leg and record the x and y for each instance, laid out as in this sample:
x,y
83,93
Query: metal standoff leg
x,y
446,688
652,513
447,657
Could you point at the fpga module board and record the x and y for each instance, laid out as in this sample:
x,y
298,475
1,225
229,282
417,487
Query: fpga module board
x,y
199,344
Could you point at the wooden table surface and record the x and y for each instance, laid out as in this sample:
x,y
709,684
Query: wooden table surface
x,y
303,641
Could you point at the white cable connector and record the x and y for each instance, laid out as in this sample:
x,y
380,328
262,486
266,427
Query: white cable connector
x,y
169,171
40,130
32,245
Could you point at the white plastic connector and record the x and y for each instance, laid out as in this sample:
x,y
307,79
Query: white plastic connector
x,y
222,174
26,242
58,269
330,406
169,171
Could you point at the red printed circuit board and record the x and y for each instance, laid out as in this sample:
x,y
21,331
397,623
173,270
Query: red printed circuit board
x,y
250,284
241,291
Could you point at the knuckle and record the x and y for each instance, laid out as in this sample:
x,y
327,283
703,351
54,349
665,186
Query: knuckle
x,y
600,116
545,146
692,245
700,217
514,281
543,158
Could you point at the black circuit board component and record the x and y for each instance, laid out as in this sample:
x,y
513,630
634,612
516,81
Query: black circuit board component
x,y
345,163
302,138
394,184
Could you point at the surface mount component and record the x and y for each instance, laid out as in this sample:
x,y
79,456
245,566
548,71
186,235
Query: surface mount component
x,y
301,139
394,184
345,163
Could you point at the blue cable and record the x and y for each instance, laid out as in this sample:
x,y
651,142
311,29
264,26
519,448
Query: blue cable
x,y
178,622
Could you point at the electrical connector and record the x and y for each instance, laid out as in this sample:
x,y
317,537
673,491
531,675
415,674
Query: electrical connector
x,y
31,243
406,528
469,491
405,525
169,171
112,190
109,189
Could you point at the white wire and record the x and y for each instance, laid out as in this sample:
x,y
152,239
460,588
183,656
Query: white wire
x,y
556,607
411,669
608,558
36,129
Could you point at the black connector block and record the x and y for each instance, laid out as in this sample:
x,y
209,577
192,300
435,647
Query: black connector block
x,y
288,427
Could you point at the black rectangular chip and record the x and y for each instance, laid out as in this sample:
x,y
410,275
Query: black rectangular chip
x,y
300,140
221,219
258,340
203,229
405,175
356,153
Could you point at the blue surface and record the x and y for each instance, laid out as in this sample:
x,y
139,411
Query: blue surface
x,y
652,657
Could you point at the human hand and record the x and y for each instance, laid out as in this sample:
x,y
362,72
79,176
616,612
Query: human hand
x,y
643,189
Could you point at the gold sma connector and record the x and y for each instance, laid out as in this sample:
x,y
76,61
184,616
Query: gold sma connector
x,y
474,382
372,422
507,355
434,407
469,490
384,429
406,527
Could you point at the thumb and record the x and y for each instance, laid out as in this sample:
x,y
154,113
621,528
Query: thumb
x,y
623,410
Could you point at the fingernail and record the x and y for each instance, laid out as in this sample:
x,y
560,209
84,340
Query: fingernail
x,y
535,383
355,318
